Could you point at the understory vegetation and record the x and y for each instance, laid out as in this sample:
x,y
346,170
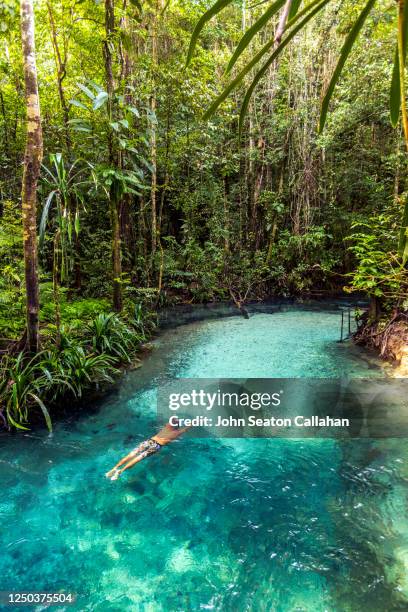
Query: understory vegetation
x,y
88,356
141,203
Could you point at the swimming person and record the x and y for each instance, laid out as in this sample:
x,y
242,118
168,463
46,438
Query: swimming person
x,y
168,434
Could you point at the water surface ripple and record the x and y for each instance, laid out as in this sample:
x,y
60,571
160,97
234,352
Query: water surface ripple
x,y
282,525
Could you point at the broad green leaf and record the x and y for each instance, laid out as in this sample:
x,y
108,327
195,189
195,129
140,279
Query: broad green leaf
x,y
44,411
395,89
78,104
44,216
395,92
133,110
77,223
100,100
86,91
82,128
79,125
345,52
214,10
97,87
253,30
272,58
403,236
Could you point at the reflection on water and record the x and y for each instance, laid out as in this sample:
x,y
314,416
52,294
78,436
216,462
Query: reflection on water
x,y
283,525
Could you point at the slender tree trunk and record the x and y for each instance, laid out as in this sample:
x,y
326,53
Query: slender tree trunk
x,y
153,105
5,122
271,241
114,161
56,288
32,166
61,71
126,219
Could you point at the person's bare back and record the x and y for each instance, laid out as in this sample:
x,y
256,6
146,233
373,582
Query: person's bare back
x,y
168,433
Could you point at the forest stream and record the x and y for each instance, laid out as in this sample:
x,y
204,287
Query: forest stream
x,y
211,524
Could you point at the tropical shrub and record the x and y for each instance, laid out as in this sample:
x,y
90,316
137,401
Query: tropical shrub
x,y
23,385
87,356
107,333
379,271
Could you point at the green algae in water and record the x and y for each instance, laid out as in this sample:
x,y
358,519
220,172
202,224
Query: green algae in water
x,y
308,525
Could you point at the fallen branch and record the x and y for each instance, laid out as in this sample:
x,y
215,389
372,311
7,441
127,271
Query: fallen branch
x,y
239,303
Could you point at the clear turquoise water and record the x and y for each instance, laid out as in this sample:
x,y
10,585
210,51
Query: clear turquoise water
x,y
280,525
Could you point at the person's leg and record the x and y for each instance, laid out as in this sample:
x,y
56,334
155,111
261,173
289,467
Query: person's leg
x,y
130,464
128,457
151,447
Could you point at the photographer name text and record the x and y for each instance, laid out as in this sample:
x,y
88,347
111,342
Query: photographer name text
x,y
256,421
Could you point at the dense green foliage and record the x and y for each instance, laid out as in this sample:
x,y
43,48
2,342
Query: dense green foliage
x,y
204,212
86,357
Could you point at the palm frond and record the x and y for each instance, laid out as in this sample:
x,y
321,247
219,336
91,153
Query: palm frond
x,y
345,52
214,10
272,58
253,30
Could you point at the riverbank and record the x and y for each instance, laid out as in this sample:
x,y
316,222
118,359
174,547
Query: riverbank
x,y
81,361
389,338
93,356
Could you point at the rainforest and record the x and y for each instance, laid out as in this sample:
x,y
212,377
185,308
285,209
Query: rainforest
x,y
138,173
205,189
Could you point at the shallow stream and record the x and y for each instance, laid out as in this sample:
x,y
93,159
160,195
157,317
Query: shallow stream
x,y
249,524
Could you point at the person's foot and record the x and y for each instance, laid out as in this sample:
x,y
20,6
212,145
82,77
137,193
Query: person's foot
x,y
115,474
111,472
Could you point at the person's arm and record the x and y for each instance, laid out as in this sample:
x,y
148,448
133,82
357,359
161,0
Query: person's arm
x,y
183,429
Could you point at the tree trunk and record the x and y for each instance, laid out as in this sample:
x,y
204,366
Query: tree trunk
x,y
114,161
153,146
61,72
5,122
31,172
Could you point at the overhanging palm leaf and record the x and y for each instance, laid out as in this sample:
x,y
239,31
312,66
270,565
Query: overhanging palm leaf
x,y
345,52
292,20
403,237
253,30
294,8
395,91
295,15
318,4
272,58
216,8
